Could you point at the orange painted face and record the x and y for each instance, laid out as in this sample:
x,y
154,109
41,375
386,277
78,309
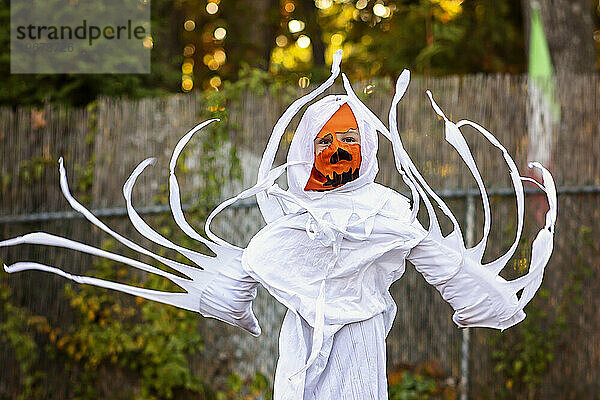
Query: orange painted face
x,y
337,152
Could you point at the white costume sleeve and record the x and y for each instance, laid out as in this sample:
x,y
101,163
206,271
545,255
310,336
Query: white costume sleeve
x,y
476,295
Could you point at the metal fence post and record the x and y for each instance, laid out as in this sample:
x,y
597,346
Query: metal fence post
x,y
466,333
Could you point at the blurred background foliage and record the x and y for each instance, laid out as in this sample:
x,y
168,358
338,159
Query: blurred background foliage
x,y
202,44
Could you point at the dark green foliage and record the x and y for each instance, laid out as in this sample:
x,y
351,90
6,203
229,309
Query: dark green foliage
x,y
413,387
16,336
524,354
486,36
425,380
257,388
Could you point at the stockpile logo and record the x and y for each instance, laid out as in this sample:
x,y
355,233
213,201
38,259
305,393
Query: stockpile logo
x,y
80,36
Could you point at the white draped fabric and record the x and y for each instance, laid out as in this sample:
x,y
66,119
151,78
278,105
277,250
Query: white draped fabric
x,y
351,366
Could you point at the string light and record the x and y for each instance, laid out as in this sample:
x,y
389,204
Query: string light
x,y
148,42
361,4
189,50
187,84
187,68
323,4
220,56
381,11
337,39
213,65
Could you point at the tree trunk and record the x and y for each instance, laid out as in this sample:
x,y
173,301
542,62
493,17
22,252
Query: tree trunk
x,y
262,27
569,27
251,31
309,12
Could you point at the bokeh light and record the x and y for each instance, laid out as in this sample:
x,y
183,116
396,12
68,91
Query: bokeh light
x,y
281,41
215,82
323,4
451,8
189,25
187,68
303,41
187,83
212,8
148,42
361,4
213,65
337,39
189,50
296,26
381,11
289,7
303,82
369,89
220,33
220,56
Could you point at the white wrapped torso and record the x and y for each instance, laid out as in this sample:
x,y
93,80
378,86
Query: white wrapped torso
x,y
345,252
291,265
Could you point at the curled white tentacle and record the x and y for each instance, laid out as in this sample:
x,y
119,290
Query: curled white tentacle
x,y
456,139
400,155
497,265
46,239
507,310
151,234
269,208
174,195
218,289
454,239
94,220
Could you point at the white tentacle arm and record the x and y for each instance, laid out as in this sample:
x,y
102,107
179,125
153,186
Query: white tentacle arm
x,y
479,296
218,287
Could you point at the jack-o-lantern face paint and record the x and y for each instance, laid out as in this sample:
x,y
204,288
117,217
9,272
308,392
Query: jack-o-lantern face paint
x,y
337,152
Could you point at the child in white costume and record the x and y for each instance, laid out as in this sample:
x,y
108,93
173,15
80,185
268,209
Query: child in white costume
x,y
330,256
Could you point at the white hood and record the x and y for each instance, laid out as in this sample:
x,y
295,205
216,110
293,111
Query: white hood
x,y
301,153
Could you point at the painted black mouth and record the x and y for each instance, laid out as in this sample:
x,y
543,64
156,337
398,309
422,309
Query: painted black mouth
x,y
340,179
340,155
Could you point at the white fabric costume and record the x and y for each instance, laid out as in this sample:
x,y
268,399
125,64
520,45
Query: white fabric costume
x,y
330,257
